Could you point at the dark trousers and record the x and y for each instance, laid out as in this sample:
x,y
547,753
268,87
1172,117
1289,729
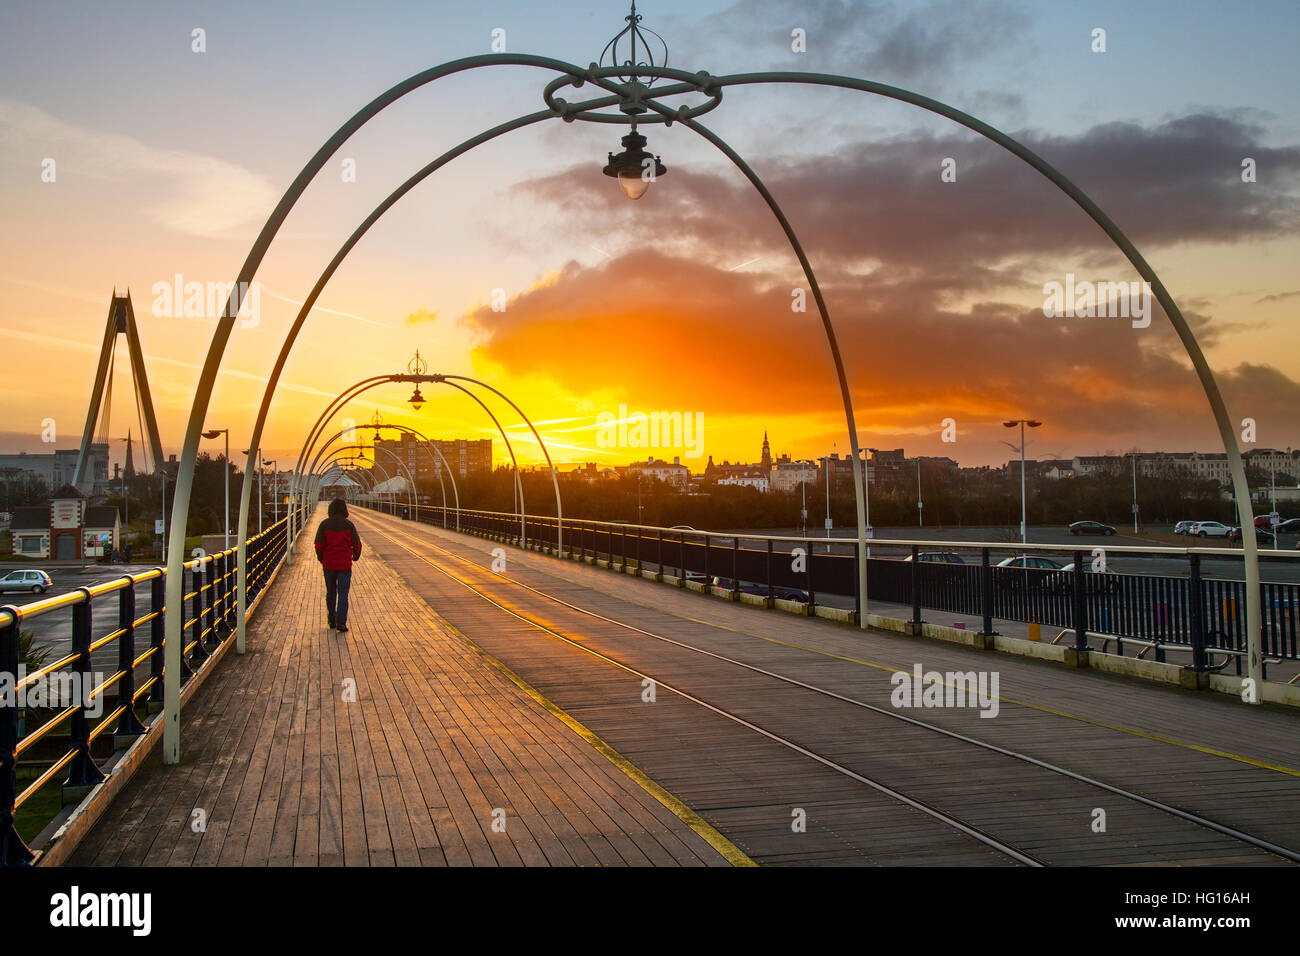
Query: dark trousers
x,y
337,584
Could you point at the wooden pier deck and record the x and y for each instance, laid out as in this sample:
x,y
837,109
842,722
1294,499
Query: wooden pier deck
x,y
438,746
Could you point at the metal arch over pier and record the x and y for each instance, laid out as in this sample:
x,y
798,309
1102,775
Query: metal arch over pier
x,y
634,98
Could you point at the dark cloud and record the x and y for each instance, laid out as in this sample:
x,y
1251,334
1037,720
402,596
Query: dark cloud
x,y
858,37
885,202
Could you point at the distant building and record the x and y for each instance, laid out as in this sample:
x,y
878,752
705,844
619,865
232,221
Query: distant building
x,y
464,456
1085,465
1190,463
57,468
754,479
789,475
1270,460
68,528
675,473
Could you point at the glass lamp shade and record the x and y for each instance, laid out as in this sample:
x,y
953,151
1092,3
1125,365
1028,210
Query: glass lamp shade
x,y
632,183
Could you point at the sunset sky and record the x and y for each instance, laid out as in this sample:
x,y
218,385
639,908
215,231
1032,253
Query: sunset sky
x,y
168,162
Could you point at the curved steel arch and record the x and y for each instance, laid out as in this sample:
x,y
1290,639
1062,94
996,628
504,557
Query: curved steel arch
x,y
410,501
1209,385
367,384
429,449
334,461
317,463
705,83
221,335
352,391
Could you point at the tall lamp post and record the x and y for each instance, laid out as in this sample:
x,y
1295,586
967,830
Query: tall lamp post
x,y
261,501
125,492
920,521
1135,493
1022,422
275,494
213,433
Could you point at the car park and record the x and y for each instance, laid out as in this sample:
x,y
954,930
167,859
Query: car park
x,y
38,582
1091,527
1210,529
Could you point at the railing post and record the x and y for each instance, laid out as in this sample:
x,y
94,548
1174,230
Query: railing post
x,y
128,725
735,566
227,590
659,555
986,592
916,589
82,771
812,595
708,581
771,595
157,634
1196,613
13,851
857,584
200,578
1080,605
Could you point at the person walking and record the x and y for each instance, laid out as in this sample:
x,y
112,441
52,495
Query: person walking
x,y
337,546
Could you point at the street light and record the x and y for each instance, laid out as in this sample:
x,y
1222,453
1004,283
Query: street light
x,y
634,168
1135,493
213,433
275,493
1022,422
417,366
261,499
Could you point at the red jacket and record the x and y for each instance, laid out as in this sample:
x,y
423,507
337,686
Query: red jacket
x,y
337,544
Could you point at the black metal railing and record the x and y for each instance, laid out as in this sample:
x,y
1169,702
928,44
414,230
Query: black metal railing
x,y
80,704
1206,616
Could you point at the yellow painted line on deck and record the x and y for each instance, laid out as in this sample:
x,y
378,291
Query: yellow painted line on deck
x,y
705,830
1118,728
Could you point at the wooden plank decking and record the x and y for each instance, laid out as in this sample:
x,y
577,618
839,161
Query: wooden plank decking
x,y
288,772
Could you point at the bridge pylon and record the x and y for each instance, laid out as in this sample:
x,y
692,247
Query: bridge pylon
x,y
121,321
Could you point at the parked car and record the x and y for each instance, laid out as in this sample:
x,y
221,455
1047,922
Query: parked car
x,y
1262,536
1263,521
1094,582
38,582
747,587
1032,561
1210,529
1035,567
1183,527
1091,527
1289,526
938,557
